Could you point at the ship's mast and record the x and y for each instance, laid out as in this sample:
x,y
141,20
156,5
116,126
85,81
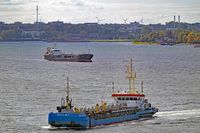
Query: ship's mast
x,y
68,102
131,75
67,89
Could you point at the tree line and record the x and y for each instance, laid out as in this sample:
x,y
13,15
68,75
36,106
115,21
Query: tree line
x,y
171,36
60,31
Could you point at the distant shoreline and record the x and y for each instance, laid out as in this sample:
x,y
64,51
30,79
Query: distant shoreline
x,y
144,43
122,40
67,41
115,40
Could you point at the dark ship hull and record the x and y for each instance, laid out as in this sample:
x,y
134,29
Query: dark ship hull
x,y
54,54
196,45
69,57
167,44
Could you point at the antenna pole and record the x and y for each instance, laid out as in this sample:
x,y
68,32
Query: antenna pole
x,y
131,65
174,38
131,75
113,87
142,87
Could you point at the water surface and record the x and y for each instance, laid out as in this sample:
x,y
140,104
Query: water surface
x,y
31,87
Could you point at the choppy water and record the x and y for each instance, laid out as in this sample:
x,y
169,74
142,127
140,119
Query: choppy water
x,y
31,87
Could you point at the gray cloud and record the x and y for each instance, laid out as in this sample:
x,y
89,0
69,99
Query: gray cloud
x,y
11,2
81,5
78,3
111,10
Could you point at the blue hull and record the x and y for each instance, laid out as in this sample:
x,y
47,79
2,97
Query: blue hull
x,y
69,120
83,121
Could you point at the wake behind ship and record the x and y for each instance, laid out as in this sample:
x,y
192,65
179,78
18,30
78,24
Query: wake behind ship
x,y
54,54
129,105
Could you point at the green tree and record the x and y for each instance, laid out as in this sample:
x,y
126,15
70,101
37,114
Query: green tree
x,y
11,35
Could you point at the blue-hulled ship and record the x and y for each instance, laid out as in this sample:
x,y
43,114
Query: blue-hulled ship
x,y
129,105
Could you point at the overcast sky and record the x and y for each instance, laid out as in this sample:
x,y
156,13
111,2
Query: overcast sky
x,y
110,11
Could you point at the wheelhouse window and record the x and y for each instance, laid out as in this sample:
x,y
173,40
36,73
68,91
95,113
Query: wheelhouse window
x,y
119,98
68,56
127,98
135,98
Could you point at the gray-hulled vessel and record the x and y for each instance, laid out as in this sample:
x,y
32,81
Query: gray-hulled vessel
x,y
54,54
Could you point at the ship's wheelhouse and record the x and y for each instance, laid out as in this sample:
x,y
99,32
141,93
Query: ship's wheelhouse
x,y
55,51
129,100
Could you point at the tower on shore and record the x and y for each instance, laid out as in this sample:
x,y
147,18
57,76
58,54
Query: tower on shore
x,y
179,21
174,21
37,14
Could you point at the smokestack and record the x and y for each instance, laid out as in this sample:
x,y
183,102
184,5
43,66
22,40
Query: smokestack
x,y
179,19
174,21
174,18
37,13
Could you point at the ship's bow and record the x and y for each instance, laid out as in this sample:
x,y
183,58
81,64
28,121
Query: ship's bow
x,y
68,120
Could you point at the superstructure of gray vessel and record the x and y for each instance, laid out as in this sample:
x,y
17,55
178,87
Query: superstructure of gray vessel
x,y
54,54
